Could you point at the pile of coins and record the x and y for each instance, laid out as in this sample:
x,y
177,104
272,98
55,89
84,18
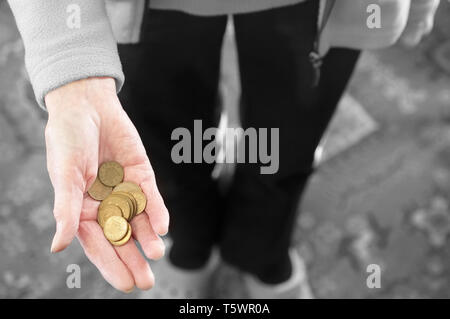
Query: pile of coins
x,y
120,202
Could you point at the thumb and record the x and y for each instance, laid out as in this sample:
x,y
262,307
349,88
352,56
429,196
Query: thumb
x,y
67,210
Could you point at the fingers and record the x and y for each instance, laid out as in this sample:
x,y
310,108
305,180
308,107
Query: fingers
x,y
104,257
122,266
136,263
69,173
156,209
151,243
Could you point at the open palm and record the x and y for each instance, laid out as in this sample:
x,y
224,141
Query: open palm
x,y
81,134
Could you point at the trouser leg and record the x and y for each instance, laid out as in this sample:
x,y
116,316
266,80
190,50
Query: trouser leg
x,y
276,75
171,80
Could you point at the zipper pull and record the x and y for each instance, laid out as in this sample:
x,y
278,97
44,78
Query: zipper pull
x,y
325,10
316,62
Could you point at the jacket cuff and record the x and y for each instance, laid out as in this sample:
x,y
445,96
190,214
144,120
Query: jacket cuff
x,y
73,65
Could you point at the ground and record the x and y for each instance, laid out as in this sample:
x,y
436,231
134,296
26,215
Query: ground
x,y
379,196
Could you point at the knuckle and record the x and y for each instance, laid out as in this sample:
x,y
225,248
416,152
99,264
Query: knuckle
x,y
66,222
58,212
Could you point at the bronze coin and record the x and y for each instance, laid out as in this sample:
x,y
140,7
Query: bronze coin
x,y
99,191
110,173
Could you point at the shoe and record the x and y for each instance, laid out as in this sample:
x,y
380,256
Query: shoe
x,y
173,282
296,287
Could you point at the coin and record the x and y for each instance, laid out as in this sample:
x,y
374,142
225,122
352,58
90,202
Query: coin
x,y
116,228
99,191
106,212
141,201
133,202
129,198
110,173
121,202
118,200
127,187
124,240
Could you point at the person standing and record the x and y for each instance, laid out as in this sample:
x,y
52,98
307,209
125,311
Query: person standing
x,y
171,68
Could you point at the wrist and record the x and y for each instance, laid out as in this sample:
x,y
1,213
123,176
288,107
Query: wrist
x,y
89,92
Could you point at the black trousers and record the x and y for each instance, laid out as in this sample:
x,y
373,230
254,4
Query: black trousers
x,y
172,79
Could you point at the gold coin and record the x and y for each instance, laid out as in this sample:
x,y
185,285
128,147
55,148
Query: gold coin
x,y
116,228
99,191
132,201
141,201
121,201
110,173
106,212
124,240
135,205
127,187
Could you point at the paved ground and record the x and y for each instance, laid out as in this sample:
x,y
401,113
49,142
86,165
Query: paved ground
x,y
381,198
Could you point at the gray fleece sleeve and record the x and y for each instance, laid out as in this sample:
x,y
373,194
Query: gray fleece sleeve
x,y
58,50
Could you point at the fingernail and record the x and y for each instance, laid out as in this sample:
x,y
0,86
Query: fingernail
x,y
163,230
54,248
129,291
157,252
54,242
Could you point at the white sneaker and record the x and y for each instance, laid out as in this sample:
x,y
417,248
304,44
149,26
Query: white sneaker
x,y
296,287
173,282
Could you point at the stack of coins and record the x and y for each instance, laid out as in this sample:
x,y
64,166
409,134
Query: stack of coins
x,y
120,202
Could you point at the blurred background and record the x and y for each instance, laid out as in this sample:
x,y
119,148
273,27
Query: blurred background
x,y
380,194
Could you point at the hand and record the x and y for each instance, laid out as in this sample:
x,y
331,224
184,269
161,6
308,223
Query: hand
x,y
420,21
87,126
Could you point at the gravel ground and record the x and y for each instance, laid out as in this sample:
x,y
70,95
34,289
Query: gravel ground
x,y
379,197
